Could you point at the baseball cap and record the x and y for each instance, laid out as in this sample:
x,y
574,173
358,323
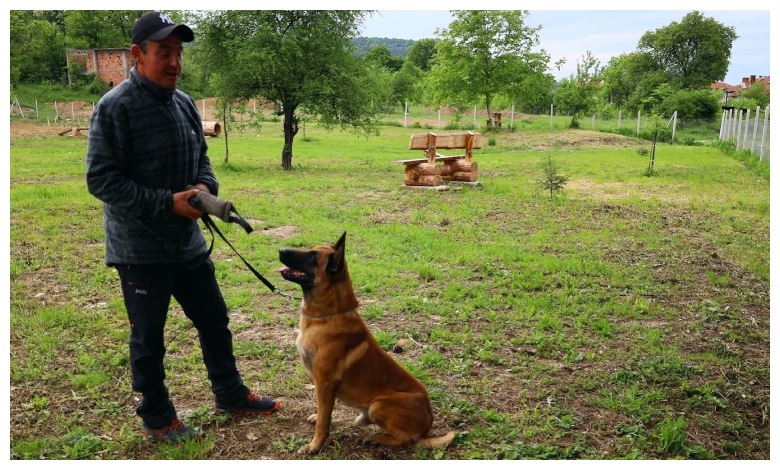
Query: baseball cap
x,y
156,25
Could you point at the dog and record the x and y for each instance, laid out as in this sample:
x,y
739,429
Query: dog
x,y
344,360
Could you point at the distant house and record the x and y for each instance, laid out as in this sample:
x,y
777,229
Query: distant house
x,y
111,65
731,91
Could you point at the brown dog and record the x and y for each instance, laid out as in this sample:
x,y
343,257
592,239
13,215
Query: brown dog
x,y
344,360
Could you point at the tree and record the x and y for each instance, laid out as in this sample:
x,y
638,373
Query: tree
x,y
297,60
485,53
382,56
703,103
693,53
757,92
405,84
421,54
37,48
95,29
578,94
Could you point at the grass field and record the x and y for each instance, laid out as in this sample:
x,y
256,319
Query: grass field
x,y
627,318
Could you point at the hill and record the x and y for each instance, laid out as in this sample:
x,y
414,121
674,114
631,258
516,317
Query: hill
x,y
397,47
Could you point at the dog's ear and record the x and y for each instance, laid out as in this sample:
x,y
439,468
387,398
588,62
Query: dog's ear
x,y
336,260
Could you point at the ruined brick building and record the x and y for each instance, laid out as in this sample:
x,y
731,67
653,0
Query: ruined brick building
x,y
112,65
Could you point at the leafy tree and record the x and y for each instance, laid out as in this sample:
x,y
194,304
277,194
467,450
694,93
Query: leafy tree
x,y
94,29
405,84
620,83
421,54
297,60
382,56
703,103
578,94
693,53
37,48
483,54
757,92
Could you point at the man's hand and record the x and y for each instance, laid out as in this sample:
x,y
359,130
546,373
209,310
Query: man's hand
x,y
181,205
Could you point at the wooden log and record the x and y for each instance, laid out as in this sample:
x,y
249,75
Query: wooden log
x,y
423,174
424,180
458,166
64,132
422,169
470,176
211,128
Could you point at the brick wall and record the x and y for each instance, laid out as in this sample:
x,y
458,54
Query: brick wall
x,y
111,65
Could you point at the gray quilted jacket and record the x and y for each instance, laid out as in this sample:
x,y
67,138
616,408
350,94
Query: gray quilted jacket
x,y
146,143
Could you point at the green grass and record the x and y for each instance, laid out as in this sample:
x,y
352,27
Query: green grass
x,y
627,319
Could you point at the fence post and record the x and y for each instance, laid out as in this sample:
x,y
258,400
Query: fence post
x,y
406,111
674,125
722,120
747,130
620,114
763,133
638,122
739,130
755,131
512,118
203,105
593,122
551,114
475,116
72,113
438,124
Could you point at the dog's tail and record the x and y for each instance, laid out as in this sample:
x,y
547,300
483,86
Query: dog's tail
x,y
441,441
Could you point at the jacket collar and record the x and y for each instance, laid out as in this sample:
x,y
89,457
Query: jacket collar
x,y
161,93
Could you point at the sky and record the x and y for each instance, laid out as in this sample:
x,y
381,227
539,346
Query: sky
x,y
570,34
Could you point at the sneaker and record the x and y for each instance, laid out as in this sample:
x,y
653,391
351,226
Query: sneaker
x,y
252,405
174,433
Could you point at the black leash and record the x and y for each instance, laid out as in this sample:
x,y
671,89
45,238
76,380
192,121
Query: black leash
x,y
240,221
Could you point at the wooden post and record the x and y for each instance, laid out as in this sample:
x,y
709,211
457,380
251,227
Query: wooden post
x,y
469,145
430,152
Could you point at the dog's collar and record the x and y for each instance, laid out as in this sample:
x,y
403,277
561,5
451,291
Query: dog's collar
x,y
323,316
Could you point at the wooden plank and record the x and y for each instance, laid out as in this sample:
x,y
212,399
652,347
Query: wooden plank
x,y
439,158
445,140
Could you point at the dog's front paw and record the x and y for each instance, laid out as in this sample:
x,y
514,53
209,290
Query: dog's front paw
x,y
312,419
308,449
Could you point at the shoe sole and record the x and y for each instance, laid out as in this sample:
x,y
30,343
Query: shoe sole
x,y
251,413
199,436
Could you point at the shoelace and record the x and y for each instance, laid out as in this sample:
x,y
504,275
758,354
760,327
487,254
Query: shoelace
x,y
252,397
176,425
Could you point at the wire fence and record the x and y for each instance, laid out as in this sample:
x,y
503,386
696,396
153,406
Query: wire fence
x,y
747,133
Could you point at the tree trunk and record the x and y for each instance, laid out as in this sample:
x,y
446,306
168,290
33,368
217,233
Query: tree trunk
x,y
290,130
490,112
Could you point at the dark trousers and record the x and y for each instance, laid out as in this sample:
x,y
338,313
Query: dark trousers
x,y
147,291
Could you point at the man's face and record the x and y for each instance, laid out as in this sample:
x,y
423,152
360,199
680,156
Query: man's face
x,y
161,63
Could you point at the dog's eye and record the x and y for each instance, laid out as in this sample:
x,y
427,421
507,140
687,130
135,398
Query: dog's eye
x,y
313,256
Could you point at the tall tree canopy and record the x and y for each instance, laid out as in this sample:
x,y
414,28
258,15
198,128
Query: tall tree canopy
x,y
421,53
693,53
486,53
298,60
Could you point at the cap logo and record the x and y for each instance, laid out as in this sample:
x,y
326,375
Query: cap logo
x,y
165,18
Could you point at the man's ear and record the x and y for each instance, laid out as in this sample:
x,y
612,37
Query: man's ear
x,y
336,259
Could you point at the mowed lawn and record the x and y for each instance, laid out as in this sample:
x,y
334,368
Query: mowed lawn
x,y
628,317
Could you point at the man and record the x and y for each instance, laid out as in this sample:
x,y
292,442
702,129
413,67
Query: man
x,y
146,146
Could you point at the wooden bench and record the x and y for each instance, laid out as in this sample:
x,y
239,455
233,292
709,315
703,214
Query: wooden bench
x,y
427,172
